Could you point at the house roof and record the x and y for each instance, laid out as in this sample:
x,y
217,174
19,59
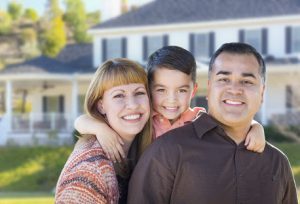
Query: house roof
x,y
188,11
75,58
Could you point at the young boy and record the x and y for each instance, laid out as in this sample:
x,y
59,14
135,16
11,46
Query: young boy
x,y
172,81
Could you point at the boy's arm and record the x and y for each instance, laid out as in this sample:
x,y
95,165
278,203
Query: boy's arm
x,y
110,141
255,140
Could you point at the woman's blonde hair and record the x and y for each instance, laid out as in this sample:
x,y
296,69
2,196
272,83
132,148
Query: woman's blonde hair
x,y
116,72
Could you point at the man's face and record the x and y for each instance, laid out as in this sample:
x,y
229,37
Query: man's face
x,y
235,89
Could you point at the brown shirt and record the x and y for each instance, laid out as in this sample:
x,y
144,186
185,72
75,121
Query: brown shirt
x,y
199,163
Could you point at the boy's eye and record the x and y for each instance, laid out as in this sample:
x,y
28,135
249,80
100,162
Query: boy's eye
x,y
160,90
183,90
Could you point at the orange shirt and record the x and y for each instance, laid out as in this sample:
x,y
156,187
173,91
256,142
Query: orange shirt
x,y
162,125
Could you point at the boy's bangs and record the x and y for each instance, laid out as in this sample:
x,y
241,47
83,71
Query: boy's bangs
x,y
123,76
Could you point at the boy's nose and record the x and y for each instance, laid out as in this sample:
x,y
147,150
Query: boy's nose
x,y
172,96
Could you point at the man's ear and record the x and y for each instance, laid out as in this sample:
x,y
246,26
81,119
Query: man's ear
x,y
100,107
263,93
195,90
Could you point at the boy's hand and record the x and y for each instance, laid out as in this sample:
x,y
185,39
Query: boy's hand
x,y
255,140
112,146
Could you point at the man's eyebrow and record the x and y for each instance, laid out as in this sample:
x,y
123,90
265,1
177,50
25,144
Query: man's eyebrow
x,y
249,75
224,73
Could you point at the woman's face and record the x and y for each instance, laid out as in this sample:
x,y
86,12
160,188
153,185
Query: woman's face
x,y
126,108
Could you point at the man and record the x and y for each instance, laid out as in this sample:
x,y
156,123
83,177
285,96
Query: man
x,y
206,160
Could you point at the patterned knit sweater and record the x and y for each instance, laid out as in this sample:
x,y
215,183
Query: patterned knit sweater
x,y
88,176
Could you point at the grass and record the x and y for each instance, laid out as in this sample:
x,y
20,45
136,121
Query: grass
x,y
26,198
28,175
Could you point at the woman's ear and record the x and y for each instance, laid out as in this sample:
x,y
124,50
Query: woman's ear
x,y
100,107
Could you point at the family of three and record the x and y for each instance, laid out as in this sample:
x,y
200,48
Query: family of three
x,y
214,157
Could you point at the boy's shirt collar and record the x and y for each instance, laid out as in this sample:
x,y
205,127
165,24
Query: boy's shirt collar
x,y
162,125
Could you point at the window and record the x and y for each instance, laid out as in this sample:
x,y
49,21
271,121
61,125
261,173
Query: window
x,y
114,48
152,43
257,38
202,45
81,99
253,37
296,39
53,104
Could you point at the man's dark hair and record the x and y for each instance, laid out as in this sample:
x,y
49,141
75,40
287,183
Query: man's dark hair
x,y
173,58
239,48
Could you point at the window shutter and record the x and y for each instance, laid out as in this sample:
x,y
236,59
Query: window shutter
x,y
165,40
104,50
44,104
124,47
211,43
192,43
241,35
288,40
61,104
145,48
264,41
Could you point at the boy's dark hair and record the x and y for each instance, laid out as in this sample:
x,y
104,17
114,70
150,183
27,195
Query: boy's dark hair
x,y
239,48
173,58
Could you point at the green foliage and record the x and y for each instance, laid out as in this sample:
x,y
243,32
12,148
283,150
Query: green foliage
x,y
274,135
29,43
93,18
31,14
76,19
5,23
53,11
15,10
31,169
54,38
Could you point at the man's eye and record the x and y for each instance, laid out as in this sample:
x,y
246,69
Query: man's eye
x,y
223,80
247,82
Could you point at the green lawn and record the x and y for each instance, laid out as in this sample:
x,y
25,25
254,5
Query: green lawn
x,y
37,169
26,198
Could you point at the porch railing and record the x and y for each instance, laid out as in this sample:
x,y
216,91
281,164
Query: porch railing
x,y
35,122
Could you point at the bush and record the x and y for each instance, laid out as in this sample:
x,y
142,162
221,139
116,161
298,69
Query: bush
x,y
274,135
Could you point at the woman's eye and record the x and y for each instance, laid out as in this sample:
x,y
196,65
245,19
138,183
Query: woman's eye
x,y
118,96
140,93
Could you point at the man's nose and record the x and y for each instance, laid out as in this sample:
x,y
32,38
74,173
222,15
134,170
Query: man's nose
x,y
235,88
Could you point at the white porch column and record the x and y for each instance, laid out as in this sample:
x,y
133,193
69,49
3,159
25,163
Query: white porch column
x,y
263,110
8,104
74,100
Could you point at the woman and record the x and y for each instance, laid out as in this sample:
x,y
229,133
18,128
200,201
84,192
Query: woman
x,y
118,94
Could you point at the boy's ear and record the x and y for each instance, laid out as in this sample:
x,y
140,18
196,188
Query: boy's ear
x,y
100,107
195,90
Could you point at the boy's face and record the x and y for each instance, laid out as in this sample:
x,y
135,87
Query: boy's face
x,y
172,91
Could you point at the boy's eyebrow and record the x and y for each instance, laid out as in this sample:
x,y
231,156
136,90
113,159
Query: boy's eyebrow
x,y
243,74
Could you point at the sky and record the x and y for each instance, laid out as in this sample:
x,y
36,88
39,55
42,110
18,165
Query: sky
x,y
39,5
90,5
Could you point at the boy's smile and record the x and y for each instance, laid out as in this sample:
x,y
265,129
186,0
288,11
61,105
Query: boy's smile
x,y
172,91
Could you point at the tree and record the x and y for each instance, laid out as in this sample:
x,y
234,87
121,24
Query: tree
x,y
5,23
54,39
15,10
76,19
31,14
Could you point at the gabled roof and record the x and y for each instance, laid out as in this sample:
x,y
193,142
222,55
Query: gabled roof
x,y
188,11
74,58
42,64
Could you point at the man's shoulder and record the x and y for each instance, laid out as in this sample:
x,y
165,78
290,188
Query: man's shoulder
x,y
275,153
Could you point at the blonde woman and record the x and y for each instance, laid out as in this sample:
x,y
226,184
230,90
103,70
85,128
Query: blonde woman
x,y
118,94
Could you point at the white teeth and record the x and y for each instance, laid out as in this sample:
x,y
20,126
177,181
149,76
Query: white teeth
x,y
132,117
171,108
233,102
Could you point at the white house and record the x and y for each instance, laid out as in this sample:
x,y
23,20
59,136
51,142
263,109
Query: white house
x,y
56,87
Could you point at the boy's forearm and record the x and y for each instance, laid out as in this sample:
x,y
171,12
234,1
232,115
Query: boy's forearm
x,y
84,124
